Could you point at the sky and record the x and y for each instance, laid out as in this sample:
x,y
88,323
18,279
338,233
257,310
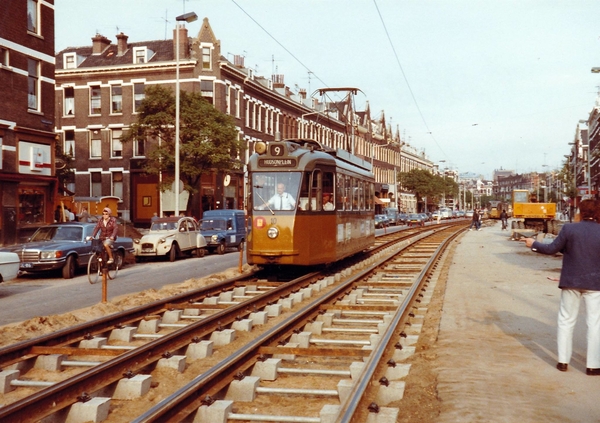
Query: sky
x,y
477,85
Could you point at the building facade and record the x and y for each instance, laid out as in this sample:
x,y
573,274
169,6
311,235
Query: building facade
x,y
28,185
99,87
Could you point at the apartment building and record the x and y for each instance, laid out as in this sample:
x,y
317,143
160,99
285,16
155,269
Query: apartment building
x,y
28,185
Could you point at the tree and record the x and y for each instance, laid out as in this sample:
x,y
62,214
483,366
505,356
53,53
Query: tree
x,y
426,185
208,139
63,165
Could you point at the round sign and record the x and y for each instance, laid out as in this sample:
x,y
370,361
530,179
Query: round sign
x,y
226,180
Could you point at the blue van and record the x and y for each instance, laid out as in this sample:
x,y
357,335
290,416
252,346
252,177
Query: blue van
x,y
223,229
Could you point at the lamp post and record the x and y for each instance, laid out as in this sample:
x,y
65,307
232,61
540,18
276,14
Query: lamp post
x,y
186,17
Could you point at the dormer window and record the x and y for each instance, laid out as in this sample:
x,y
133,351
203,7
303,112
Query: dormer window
x,y
69,61
141,54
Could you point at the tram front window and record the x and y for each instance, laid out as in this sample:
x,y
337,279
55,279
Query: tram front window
x,y
275,190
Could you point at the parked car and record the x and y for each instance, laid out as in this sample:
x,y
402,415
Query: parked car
x,y
63,246
172,237
402,218
381,221
469,213
392,215
223,229
9,266
415,219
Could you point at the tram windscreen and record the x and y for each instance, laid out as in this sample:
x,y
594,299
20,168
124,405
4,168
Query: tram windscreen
x,y
275,190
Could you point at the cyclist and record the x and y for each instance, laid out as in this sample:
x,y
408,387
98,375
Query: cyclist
x,y
108,227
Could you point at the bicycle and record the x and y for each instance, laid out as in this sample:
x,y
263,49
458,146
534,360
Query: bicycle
x,y
100,257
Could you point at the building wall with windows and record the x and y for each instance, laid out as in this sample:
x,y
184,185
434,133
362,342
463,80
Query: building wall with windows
x,y
98,86
27,175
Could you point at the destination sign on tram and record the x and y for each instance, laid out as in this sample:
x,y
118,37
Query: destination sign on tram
x,y
277,162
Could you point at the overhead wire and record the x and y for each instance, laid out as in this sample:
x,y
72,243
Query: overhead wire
x,y
412,94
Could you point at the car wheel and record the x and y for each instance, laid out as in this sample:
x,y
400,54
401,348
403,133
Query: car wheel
x,y
200,252
221,248
174,252
68,270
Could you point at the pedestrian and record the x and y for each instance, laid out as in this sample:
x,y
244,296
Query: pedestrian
x,y
475,220
579,278
504,219
84,216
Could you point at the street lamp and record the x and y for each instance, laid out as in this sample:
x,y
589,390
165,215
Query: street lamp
x,y
186,17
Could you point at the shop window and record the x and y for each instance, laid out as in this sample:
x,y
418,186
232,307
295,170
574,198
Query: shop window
x,y
31,205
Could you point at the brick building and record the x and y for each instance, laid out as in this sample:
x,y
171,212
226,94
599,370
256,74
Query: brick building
x,y
99,86
28,184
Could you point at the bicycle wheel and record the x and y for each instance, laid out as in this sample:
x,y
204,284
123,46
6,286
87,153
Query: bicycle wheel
x,y
93,270
113,268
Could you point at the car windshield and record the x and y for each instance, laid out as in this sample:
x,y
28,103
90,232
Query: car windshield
x,y
58,233
213,225
163,226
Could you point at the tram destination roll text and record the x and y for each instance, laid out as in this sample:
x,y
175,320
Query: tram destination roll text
x,y
277,162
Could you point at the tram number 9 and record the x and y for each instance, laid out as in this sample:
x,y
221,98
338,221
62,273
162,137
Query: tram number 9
x,y
277,150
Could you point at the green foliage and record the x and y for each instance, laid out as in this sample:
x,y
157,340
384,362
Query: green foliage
x,y
424,184
208,139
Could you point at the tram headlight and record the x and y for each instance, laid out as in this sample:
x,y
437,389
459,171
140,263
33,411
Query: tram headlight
x,y
273,233
260,147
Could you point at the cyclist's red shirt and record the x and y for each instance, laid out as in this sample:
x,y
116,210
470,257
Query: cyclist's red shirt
x,y
108,230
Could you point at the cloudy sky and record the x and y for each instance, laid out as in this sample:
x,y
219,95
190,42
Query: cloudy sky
x,y
477,84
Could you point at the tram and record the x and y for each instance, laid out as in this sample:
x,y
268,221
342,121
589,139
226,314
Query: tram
x,y
495,207
309,204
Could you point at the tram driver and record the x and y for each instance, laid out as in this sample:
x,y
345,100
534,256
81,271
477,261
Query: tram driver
x,y
281,200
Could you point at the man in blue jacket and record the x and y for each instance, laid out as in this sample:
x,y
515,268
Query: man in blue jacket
x,y
580,277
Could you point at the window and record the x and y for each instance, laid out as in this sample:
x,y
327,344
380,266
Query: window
x,y
95,100
69,61
206,62
95,144
207,88
139,55
116,146
70,181
32,16
1,155
138,96
33,68
139,147
4,56
116,99
96,184
117,184
68,101
69,145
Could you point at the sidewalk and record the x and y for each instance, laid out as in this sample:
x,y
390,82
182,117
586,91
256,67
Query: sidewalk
x,y
497,340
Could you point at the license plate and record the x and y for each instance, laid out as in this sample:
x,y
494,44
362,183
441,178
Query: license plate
x,y
147,251
26,265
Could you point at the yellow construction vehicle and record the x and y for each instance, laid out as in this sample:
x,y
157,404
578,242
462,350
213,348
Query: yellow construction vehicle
x,y
527,213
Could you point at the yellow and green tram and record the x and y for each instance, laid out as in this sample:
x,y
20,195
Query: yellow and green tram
x,y
290,222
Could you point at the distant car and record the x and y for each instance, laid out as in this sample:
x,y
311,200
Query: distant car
x,y
392,215
381,221
402,217
469,213
63,246
172,237
460,213
415,219
9,266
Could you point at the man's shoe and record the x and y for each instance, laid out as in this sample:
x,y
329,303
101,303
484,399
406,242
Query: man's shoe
x,y
562,367
592,372
110,261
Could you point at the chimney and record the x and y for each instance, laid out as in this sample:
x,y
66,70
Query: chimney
x,y
183,42
99,44
121,44
278,81
302,93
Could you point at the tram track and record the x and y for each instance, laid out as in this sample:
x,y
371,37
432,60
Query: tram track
x,y
227,305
